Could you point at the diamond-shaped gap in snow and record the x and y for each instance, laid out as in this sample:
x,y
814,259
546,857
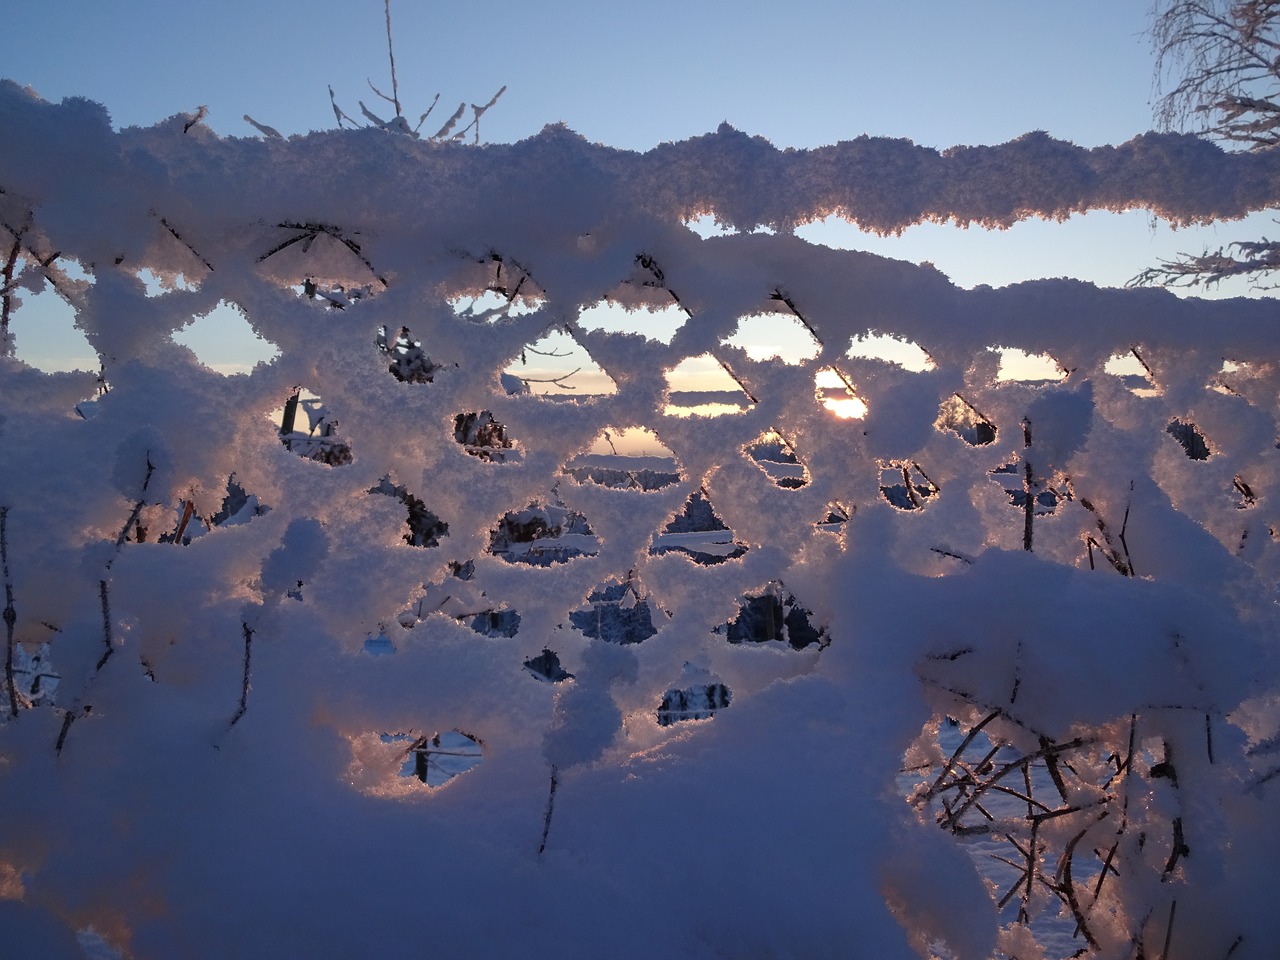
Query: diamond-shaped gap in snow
x,y
698,532
182,524
557,367
837,517
455,595
494,622
905,485
1244,378
493,288
642,305
966,421
308,428
1045,492
697,695
1133,373
238,506
1018,366
632,458
777,459
407,361
836,392
879,346
44,332
774,334
773,614
702,386
335,296
437,759
543,534
484,437
617,611
324,255
422,527
546,667
157,284
491,306
1189,437
223,340
653,322
706,225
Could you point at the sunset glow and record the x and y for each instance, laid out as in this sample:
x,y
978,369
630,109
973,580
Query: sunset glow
x,y
835,393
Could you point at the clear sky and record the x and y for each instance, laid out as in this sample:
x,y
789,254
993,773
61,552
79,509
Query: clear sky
x,y
631,75
802,73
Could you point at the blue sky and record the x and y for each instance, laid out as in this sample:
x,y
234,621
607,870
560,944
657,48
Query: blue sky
x,y
802,74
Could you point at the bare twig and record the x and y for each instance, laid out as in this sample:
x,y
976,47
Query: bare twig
x,y
478,111
308,234
6,292
558,381
201,112
188,509
1119,558
244,682
10,613
1028,484
391,56
1168,932
1068,884
551,804
177,236
1178,849
136,512
959,751
68,718
107,639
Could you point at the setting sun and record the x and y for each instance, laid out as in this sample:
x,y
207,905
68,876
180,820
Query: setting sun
x,y
834,391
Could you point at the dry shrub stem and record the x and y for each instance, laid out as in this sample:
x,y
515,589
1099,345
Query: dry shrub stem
x,y
10,613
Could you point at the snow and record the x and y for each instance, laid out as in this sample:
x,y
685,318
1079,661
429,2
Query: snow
x,y
218,769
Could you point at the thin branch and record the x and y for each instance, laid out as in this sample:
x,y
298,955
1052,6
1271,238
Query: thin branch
x,y
1028,484
1168,933
10,613
177,236
310,231
1178,849
959,751
202,111
136,512
188,508
422,119
478,112
1068,883
338,112
551,805
6,294
107,638
244,682
395,88
952,555
790,304
68,718
558,381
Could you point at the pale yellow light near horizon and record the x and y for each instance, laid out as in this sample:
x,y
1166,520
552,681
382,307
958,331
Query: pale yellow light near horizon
x,y
833,392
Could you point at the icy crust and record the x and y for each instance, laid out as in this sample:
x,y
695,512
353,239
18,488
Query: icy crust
x,y
225,647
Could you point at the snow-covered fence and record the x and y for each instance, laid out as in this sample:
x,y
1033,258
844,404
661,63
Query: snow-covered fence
x,y
312,660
